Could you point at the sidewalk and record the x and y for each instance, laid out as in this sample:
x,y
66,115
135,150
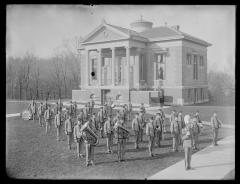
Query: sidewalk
x,y
211,163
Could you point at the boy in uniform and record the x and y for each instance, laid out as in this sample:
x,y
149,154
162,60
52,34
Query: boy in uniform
x,y
78,137
158,125
108,130
69,130
216,124
150,134
175,131
136,129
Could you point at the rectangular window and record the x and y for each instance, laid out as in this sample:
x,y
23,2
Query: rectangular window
x,y
195,68
160,67
189,59
141,67
201,63
189,93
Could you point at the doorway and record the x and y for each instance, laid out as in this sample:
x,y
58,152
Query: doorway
x,y
104,93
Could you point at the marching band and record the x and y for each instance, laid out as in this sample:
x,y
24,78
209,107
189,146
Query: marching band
x,y
86,127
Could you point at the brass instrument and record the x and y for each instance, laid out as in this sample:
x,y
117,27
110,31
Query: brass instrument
x,y
89,136
122,133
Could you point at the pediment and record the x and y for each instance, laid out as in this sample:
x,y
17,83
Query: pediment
x,y
105,34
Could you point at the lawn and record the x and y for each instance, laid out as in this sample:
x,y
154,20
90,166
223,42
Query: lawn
x,y
32,154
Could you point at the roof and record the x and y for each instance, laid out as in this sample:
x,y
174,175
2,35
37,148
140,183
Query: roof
x,y
165,31
157,33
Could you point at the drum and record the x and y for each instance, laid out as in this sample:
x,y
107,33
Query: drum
x,y
26,115
121,132
89,136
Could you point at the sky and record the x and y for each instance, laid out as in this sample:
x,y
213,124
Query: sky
x,y
42,29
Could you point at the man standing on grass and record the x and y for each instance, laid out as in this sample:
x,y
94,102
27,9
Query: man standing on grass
x,y
47,118
150,134
175,131
100,118
89,147
216,124
108,130
69,130
158,129
142,122
136,129
40,114
78,137
187,137
121,140
57,122
196,132
181,125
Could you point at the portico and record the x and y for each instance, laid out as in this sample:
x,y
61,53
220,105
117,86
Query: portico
x,y
113,67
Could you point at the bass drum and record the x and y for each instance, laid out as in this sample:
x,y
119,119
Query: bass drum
x,y
89,136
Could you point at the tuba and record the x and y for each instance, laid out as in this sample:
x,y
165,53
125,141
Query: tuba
x,y
89,136
121,132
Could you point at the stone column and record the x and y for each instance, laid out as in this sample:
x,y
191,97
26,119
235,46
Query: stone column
x,y
87,68
99,67
113,66
128,66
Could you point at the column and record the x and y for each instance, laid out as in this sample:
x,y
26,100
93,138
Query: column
x,y
113,66
99,67
87,68
128,65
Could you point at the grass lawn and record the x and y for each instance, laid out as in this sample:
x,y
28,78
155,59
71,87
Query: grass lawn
x,y
32,154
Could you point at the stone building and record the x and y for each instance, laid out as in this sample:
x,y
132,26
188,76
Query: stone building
x,y
136,64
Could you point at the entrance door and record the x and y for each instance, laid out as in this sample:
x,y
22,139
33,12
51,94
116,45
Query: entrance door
x,y
195,95
104,93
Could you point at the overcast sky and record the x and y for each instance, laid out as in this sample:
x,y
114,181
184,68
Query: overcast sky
x,y
42,28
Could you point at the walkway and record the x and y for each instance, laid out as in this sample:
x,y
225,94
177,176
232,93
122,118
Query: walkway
x,y
211,163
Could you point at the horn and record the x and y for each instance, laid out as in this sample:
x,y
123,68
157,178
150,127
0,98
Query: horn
x,y
90,137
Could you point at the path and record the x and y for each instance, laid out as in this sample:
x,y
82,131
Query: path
x,y
211,163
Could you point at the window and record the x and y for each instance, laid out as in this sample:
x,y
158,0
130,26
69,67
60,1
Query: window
x,y
189,59
195,68
201,63
189,94
160,67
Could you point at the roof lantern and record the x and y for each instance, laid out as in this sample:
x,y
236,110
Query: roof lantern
x,y
141,25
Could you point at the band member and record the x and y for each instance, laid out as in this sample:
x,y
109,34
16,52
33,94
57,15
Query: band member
x,y
71,109
47,118
75,109
216,124
196,132
173,115
32,107
150,135
91,106
187,141
121,141
198,117
175,132
78,137
142,108
142,123
108,130
162,114
89,149
125,113
129,111
45,105
93,123
60,105
158,125
181,124
136,130
40,114
86,111
101,119
69,130
105,111
57,122
81,116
